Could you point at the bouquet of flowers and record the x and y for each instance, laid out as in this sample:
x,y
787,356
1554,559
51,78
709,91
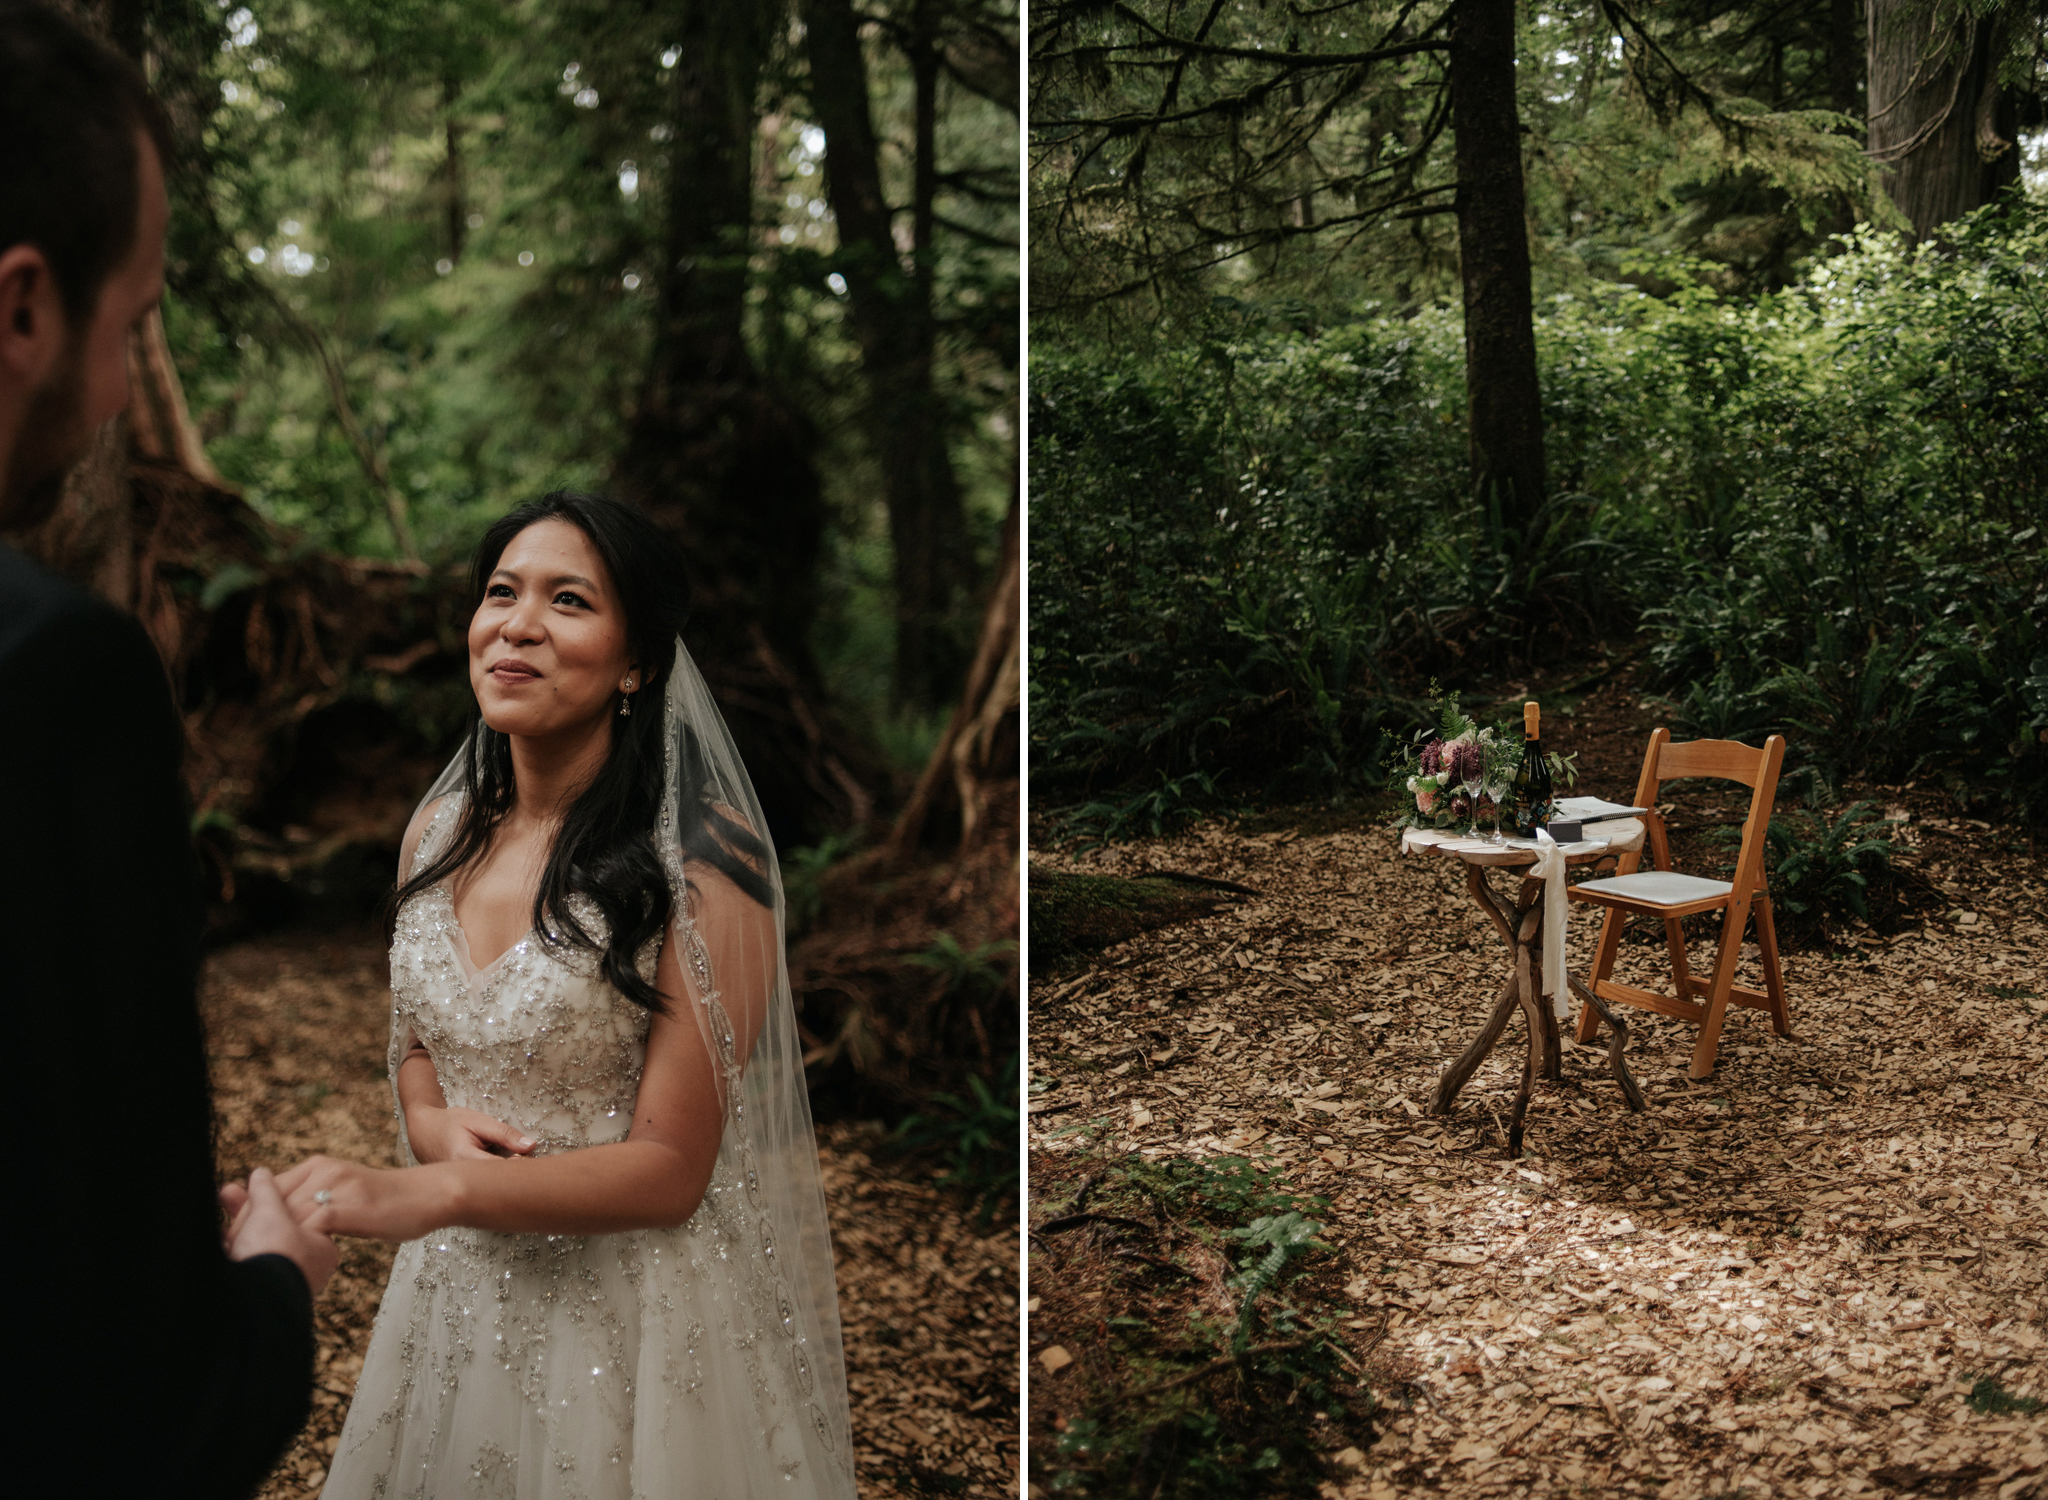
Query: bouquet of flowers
x,y
1457,763
1444,761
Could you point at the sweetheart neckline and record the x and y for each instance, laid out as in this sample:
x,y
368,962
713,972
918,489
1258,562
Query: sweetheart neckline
x,y
466,953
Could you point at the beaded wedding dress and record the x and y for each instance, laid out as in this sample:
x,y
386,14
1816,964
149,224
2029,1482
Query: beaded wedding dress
x,y
701,1361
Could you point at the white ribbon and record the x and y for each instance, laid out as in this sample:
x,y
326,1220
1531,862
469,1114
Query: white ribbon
x,y
1549,869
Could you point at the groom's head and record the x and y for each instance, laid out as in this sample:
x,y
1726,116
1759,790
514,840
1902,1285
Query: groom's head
x,y
82,219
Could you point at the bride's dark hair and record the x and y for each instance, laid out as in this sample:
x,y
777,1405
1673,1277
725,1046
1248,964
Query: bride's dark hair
x,y
605,847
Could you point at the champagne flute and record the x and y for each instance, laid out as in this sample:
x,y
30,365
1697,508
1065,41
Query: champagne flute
x,y
1472,781
1503,759
1498,786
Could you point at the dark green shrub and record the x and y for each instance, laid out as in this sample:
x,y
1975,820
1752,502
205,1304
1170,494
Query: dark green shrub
x,y
978,1138
1200,1407
1821,868
1252,542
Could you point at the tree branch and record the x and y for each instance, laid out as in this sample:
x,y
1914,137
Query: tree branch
x,y
344,412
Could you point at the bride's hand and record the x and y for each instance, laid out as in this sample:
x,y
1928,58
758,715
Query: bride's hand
x,y
448,1133
341,1197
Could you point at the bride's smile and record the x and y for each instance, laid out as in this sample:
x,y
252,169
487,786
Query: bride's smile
x,y
549,652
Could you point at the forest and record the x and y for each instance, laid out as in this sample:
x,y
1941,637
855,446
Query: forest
x,y
1759,389
752,267
1680,365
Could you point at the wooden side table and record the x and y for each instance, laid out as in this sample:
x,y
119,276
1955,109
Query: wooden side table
x,y
1520,926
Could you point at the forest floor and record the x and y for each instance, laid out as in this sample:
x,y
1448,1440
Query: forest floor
x,y
1823,1271
296,1029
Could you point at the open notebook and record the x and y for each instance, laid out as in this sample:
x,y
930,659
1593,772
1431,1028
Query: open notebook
x,y
1594,810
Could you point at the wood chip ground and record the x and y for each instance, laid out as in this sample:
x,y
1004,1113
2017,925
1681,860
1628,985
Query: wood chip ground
x,y
296,1031
1782,1282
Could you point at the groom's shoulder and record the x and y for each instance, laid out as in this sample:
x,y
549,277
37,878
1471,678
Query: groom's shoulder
x,y
46,621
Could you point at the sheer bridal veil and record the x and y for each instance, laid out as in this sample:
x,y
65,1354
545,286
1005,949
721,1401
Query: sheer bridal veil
x,y
733,960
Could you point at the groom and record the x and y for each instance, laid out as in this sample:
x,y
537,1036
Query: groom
x,y
153,1360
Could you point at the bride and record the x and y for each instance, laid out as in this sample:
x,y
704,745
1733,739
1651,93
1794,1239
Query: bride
x,y
615,1279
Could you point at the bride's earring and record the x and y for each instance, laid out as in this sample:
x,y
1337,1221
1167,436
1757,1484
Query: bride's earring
x,y
626,699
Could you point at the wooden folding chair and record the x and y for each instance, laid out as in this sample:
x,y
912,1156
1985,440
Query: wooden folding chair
x,y
1663,893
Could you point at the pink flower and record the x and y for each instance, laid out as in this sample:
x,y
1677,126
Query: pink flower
x,y
1425,800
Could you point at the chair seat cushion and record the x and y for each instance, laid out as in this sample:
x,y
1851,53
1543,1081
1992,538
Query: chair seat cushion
x,y
1665,887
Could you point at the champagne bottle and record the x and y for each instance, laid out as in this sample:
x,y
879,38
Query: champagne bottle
x,y
1533,791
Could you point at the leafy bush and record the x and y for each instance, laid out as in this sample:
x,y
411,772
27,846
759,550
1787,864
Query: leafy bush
x,y
966,972
977,1136
1821,869
1156,810
1252,542
1204,1407
1228,1187
1283,1238
803,877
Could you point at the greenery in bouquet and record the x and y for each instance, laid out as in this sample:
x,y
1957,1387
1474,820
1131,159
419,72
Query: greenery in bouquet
x,y
1448,756
1455,751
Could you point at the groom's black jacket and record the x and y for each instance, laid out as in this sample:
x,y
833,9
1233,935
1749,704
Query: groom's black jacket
x,y
150,1364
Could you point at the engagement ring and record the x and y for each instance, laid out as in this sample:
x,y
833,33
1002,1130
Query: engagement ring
x,y
323,1197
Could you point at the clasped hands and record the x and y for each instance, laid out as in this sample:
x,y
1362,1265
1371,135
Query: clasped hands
x,y
296,1213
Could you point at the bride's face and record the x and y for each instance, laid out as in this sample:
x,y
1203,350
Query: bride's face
x,y
548,649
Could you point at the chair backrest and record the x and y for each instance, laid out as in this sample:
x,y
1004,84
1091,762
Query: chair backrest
x,y
1724,760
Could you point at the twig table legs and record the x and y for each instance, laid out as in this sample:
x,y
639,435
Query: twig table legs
x,y
1521,929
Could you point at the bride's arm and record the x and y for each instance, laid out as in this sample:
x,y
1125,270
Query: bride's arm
x,y
655,1178
438,1131
435,1131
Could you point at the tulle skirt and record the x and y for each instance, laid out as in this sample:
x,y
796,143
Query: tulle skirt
x,y
566,1367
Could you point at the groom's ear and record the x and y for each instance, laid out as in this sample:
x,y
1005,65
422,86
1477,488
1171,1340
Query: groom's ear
x,y
33,329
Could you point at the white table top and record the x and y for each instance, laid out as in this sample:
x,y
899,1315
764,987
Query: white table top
x,y
1621,836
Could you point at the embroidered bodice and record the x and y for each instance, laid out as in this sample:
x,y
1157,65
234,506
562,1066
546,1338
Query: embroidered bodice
x,y
536,1038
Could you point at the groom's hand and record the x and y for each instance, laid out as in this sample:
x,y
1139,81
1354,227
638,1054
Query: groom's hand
x,y
264,1225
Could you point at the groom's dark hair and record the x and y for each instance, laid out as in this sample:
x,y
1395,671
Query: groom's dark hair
x,y
605,848
70,110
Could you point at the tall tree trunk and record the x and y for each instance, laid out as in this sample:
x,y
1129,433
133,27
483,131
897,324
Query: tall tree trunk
x,y
1939,121
924,73
1505,433
718,456
458,210
892,319
976,758
1845,56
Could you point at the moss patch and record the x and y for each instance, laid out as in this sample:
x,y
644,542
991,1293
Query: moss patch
x,y
1073,915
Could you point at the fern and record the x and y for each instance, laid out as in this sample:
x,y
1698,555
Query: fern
x,y
1823,867
1285,1236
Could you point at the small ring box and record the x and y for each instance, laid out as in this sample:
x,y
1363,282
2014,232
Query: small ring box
x,y
1565,830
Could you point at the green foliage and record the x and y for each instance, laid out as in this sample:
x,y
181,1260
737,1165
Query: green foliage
x,y
1821,505
966,972
1989,1398
423,282
977,1136
803,876
1821,868
1153,812
1232,1188
1270,155
1231,539
1202,1412
1284,1238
